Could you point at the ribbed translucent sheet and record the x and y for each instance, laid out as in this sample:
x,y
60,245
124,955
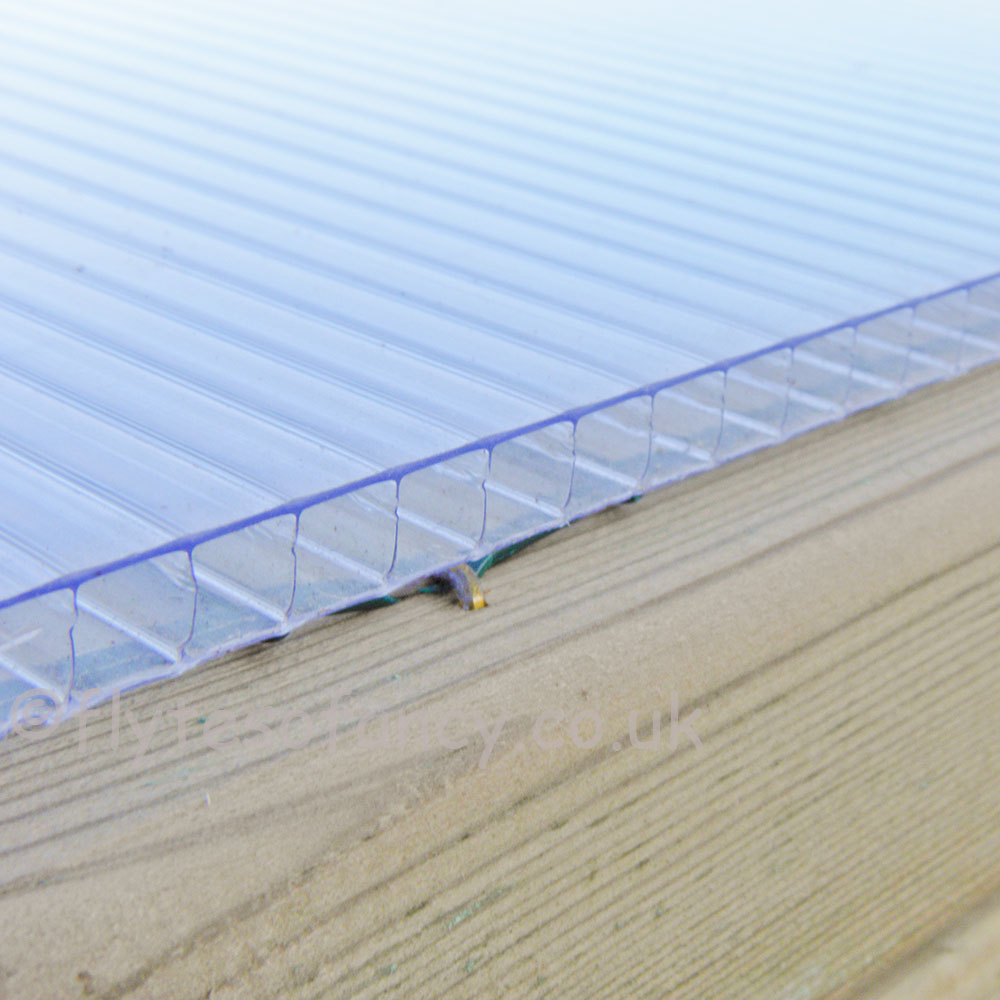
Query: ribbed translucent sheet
x,y
299,304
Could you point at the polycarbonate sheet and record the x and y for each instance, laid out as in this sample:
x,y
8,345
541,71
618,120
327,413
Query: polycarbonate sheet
x,y
301,303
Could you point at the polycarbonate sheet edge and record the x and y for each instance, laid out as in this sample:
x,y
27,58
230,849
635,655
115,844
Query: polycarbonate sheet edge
x,y
157,613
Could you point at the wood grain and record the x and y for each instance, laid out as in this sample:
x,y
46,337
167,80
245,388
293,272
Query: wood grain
x,y
831,608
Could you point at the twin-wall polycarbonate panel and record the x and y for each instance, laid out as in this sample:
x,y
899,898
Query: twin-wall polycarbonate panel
x,y
299,304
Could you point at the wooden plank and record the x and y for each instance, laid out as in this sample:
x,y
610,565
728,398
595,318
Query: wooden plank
x,y
962,964
830,607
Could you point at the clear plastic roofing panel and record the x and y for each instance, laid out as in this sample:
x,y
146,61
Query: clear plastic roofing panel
x,y
300,303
